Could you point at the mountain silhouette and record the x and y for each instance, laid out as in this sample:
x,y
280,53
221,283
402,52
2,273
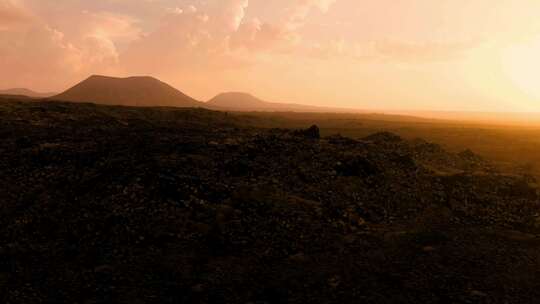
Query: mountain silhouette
x,y
131,91
240,101
25,92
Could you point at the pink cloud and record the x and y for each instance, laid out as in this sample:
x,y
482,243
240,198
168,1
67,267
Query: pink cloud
x,y
185,39
233,12
39,48
389,50
73,38
257,36
12,15
300,9
31,50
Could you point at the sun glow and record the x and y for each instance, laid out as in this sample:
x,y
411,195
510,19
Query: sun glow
x,y
522,65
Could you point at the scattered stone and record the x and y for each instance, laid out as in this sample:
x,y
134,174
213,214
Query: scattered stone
x,y
298,258
184,205
429,249
478,294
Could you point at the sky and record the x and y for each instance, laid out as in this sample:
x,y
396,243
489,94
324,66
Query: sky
x,y
443,55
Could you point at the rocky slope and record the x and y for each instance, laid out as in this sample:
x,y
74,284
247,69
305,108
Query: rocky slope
x,y
242,102
130,205
131,91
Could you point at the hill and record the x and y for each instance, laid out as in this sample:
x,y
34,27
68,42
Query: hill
x,y
25,92
115,204
239,101
131,91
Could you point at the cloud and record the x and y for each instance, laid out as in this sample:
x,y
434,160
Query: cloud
x,y
117,27
76,37
32,50
28,45
35,54
390,50
282,36
414,52
233,12
12,15
213,40
257,36
178,41
300,9
185,39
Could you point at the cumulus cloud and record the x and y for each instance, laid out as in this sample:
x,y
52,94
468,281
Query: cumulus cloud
x,y
282,36
258,36
233,12
31,50
300,9
116,27
186,40
75,38
182,39
101,35
190,38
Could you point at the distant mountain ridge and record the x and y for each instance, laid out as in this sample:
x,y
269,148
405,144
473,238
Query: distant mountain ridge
x,y
130,91
240,101
25,92
149,92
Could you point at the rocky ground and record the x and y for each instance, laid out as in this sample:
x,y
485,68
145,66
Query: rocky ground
x,y
124,205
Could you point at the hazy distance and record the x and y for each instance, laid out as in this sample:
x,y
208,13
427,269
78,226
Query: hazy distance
x,y
146,91
374,55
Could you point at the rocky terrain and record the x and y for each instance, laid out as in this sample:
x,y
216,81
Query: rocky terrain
x,y
133,205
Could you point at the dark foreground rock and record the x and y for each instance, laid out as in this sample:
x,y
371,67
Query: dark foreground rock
x,y
122,205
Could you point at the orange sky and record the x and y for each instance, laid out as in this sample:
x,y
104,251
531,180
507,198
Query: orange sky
x,y
477,55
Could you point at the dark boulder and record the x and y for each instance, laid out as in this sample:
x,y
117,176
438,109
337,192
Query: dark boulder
x,y
312,132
